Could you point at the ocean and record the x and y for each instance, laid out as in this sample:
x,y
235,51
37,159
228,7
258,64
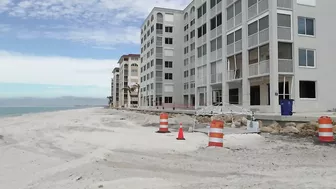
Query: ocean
x,y
17,111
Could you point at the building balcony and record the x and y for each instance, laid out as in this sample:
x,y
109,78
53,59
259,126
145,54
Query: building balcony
x,y
285,4
185,91
284,33
285,66
216,78
192,78
259,69
258,38
233,75
202,81
257,9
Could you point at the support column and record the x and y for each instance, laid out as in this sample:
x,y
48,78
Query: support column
x,y
245,58
274,75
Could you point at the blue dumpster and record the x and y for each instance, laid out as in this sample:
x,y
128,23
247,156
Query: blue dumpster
x,y
286,107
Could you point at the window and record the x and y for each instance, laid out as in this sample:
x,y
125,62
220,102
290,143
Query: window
x,y
284,20
306,26
306,58
152,51
192,72
186,62
213,45
168,64
141,40
201,10
169,52
202,50
238,35
168,100
307,89
151,86
192,34
234,96
186,49
192,22
230,38
251,2
285,51
186,38
152,63
253,56
263,23
216,21
169,29
186,27
230,12
219,42
159,26
238,7
186,73
152,74
168,40
152,40
186,86
168,76
253,28
192,46
201,31
212,3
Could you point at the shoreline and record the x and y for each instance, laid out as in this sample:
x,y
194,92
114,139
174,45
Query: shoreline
x,y
51,110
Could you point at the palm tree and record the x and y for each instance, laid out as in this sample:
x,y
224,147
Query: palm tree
x,y
128,90
137,89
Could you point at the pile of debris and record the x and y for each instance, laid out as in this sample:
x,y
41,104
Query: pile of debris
x,y
301,129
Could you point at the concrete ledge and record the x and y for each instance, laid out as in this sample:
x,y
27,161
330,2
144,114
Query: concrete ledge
x,y
299,117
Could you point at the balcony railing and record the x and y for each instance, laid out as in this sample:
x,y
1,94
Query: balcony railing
x,y
230,49
192,78
201,81
234,74
159,31
186,91
216,78
260,68
285,66
284,33
285,4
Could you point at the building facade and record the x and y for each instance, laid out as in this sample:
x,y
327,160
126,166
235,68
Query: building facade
x,y
115,87
161,58
251,53
128,78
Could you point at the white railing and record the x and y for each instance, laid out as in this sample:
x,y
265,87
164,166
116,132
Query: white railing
x,y
238,19
192,78
286,4
285,66
238,46
230,24
159,31
264,35
201,81
159,55
233,75
213,33
216,78
263,6
253,40
230,49
284,33
260,68
252,11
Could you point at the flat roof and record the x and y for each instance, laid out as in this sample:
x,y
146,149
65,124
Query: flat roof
x,y
128,56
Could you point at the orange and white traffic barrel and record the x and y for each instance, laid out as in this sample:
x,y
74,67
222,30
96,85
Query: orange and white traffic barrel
x,y
325,131
163,123
216,133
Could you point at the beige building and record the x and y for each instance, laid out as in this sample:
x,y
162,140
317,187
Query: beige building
x,y
115,88
128,78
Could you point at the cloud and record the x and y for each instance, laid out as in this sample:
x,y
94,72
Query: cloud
x,y
4,28
23,68
97,22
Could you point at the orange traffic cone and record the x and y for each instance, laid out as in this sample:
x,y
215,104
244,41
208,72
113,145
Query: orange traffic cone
x,y
180,133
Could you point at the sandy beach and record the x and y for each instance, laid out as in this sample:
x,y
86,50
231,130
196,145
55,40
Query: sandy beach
x,y
104,148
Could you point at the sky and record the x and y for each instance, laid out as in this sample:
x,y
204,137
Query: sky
x,y
51,48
